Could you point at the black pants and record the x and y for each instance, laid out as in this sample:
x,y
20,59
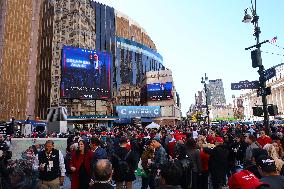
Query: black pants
x,y
218,181
204,180
148,181
195,183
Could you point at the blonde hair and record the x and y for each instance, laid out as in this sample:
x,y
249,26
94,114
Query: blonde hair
x,y
273,153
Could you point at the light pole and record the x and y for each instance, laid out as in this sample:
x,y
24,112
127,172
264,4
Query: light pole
x,y
257,62
203,81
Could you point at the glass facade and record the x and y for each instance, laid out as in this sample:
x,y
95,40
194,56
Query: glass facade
x,y
133,60
105,27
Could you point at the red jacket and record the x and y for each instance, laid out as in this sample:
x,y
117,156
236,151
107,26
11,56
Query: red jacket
x,y
76,162
264,140
204,160
171,147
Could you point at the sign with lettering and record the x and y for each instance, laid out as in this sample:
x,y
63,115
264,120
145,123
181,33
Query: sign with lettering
x,y
138,111
3,127
245,85
269,73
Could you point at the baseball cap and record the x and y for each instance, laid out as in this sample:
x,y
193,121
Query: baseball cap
x,y
244,180
258,152
219,139
266,163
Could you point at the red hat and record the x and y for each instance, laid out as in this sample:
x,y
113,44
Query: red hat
x,y
244,180
219,139
178,137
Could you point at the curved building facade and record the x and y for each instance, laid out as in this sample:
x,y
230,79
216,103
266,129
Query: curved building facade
x,y
91,25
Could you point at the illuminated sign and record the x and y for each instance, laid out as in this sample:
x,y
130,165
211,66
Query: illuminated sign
x,y
138,111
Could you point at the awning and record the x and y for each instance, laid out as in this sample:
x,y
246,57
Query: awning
x,y
146,120
123,121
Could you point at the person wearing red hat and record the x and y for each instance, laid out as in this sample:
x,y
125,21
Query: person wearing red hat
x,y
218,163
263,139
245,180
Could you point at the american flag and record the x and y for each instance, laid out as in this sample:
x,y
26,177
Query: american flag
x,y
273,40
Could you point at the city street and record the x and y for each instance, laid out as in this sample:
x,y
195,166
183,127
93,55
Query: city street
x,y
186,94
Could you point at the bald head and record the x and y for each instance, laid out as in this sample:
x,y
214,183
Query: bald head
x,y
103,170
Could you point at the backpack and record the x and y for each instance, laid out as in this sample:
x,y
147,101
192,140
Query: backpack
x,y
186,165
123,167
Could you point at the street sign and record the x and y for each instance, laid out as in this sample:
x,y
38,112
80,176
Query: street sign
x,y
245,85
269,73
264,92
3,128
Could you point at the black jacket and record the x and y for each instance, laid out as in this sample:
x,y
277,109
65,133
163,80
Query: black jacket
x,y
102,186
218,160
121,152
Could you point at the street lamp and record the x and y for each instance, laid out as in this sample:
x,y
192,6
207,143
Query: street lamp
x,y
256,59
203,81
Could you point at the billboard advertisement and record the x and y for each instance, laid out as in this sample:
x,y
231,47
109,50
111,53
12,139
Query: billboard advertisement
x,y
138,111
85,74
159,91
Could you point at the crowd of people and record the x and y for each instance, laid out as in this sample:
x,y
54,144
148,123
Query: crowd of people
x,y
184,156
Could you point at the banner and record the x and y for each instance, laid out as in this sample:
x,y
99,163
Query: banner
x,y
138,111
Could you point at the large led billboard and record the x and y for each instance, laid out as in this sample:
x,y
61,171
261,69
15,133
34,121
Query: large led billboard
x,y
85,74
159,91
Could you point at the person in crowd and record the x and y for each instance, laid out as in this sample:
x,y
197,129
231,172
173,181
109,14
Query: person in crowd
x,y
160,157
252,144
5,155
193,154
160,153
263,139
251,165
211,137
171,174
147,159
124,165
278,147
8,140
50,164
271,150
80,166
268,171
186,165
218,165
69,151
103,172
204,157
245,180
239,148
98,151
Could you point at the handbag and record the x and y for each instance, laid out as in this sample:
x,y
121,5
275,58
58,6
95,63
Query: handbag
x,y
140,171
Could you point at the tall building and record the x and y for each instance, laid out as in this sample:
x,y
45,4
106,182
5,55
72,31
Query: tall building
x,y
161,91
18,53
32,36
216,95
63,22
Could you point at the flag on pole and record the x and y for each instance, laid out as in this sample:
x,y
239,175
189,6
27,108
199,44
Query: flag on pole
x,y
273,40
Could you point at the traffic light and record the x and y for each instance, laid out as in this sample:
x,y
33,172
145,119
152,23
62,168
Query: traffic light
x,y
257,111
272,110
256,58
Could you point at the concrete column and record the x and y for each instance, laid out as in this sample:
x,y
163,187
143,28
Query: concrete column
x,y
280,107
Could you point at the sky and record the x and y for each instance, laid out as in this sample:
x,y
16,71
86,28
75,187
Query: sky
x,y
207,36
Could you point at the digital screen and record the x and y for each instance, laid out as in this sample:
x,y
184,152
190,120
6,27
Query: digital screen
x,y
85,74
159,91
